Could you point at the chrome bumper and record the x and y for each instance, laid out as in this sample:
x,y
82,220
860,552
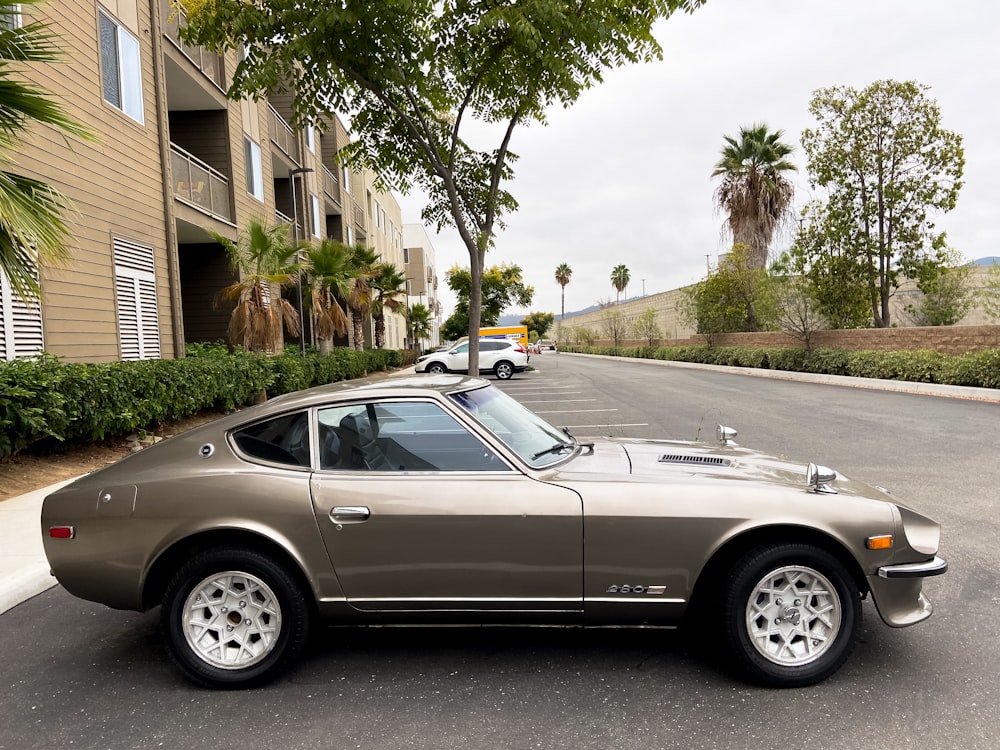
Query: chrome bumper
x,y
934,567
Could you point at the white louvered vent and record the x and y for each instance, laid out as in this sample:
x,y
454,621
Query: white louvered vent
x,y
135,287
21,332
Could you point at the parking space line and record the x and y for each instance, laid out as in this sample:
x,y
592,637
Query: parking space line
x,y
559,400
573,411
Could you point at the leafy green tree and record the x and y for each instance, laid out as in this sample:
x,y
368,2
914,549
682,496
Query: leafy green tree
x,y
887,166
736,297
991,293
415,76
836,279
946,295
563,275
263,257
620,277
538,324
32,227
502,287
754,193
646,328
418,320
389,287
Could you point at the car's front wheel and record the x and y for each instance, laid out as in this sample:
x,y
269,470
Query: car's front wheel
x,y
234,618
504,370
437,368
791,615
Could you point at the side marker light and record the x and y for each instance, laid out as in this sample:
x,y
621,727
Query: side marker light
x,y
879,542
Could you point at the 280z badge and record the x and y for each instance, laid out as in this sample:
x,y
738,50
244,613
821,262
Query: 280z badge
x,y
628,588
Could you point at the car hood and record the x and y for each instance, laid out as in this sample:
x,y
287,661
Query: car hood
x,y
675,460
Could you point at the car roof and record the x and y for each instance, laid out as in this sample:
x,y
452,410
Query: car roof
x,y
378,386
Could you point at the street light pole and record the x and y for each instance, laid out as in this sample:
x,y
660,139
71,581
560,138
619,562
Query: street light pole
x,y
295,237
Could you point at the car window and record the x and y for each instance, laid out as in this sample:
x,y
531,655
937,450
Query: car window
x,y
490,346
400,436
461,348
283,440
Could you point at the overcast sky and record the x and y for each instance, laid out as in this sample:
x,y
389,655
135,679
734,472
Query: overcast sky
x,y
624,176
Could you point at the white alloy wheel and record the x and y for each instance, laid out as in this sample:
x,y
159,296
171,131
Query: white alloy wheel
x,y
232,620
793,615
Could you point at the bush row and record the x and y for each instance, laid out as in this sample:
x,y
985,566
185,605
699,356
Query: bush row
x,y
44,402
979,369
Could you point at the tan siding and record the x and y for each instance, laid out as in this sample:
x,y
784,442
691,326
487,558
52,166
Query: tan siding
x,y
115,184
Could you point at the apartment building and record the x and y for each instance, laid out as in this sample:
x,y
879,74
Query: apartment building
x,y
174,162
422,277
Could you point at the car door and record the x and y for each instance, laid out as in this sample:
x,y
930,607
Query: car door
x,y
458,357
440,520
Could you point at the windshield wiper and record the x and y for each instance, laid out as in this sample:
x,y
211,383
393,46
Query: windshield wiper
x,y
553,449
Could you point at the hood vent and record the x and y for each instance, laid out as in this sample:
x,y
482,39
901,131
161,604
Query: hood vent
x,y
699,460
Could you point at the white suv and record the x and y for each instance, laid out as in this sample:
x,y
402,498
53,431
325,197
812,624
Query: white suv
x,y
502,357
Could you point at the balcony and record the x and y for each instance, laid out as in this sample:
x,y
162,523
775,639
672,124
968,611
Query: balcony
x,y
283,136
207,62
331,186
359,216
198,184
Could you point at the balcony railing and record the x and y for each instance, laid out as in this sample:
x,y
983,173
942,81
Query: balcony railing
x,y
331,186
198,183
282,135
206,61
359,216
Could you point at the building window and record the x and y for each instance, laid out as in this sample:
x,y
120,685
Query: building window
x,y
347,179
255,169
311,138
10,16
350,236
406,255
135,287
20,325
121,72
314,205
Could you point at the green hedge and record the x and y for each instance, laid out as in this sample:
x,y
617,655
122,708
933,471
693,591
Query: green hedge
x,y
978,369
44,402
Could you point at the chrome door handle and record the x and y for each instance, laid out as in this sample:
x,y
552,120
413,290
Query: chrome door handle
x,y
350,514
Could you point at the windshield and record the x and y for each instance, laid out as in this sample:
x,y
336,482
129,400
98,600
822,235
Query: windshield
x,y
536,441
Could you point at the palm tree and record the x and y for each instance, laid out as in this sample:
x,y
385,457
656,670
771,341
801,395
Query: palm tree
x,y
620,277
331,272
563,273
262,256
31,223
419,322
753,192
365,267
389,286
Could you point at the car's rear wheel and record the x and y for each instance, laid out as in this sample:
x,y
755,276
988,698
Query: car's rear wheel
x,y
234,618
504,370
791,615
437,368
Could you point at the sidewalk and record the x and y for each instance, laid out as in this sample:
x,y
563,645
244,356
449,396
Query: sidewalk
x,y
24,571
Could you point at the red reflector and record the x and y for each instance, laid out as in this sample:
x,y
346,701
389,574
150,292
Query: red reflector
x,y
61,532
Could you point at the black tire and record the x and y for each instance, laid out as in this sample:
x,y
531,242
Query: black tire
x,y
791,615
504,370
437,368
255,602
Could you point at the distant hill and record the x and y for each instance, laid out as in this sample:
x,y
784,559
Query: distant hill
x,y
991,260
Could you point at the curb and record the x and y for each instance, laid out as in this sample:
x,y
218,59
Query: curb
x,y
990,395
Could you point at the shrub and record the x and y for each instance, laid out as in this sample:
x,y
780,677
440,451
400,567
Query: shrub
x,y
44,402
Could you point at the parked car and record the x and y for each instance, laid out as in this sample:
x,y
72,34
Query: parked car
x,y
502,357
546,344
441,499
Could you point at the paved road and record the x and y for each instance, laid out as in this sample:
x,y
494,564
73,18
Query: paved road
x,y
80,674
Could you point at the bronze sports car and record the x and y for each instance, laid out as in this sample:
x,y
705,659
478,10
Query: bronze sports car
x,y
439,499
